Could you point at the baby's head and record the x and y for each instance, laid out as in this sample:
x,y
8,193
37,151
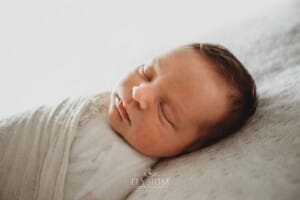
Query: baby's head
x,y
182,100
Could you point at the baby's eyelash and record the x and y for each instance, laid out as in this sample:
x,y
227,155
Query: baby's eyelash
x,y
164,115
141,69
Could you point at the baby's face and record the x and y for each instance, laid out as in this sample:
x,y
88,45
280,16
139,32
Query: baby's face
x,y
169,103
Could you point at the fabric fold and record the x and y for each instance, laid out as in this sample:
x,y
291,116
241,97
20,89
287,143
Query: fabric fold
x,y
34,150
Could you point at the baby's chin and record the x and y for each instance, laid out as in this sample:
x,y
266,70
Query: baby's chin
x,y
113,120
114,127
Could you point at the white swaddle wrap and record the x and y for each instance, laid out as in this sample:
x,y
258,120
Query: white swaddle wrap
x,y
45,153
102,165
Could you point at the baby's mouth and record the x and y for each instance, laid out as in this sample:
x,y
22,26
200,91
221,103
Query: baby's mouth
x,y
121,109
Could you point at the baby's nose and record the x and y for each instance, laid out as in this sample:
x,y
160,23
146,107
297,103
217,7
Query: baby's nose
x,y
141,95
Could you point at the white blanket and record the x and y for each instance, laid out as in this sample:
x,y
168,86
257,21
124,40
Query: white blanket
x,y
102,165
35,149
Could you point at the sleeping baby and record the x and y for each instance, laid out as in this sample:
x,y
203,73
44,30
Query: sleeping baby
x,y
176,103
85,148
180,101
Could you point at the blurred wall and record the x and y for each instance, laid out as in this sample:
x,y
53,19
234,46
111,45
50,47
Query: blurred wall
x,y
50,50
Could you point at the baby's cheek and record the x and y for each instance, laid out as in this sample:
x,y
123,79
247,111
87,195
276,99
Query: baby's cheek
x,y
145,140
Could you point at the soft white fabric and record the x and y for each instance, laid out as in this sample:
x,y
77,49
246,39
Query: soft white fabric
x,y
102,165
34,150
67,151
262,161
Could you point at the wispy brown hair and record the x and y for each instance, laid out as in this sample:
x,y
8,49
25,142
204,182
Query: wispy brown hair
x,y
241,106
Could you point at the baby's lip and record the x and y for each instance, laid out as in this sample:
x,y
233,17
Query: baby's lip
x,y
122,109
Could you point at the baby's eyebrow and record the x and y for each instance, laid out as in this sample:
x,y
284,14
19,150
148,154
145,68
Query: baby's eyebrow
x,y
155,63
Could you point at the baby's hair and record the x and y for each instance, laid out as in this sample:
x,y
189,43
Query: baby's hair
x,y
242,105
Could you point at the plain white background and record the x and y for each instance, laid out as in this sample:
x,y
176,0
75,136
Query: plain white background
x,y
50,50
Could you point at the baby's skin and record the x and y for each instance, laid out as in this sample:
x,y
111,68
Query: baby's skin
x,y
165,107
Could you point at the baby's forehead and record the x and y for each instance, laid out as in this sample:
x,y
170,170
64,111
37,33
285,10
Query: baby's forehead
x,y
184,56
180,52
185,61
